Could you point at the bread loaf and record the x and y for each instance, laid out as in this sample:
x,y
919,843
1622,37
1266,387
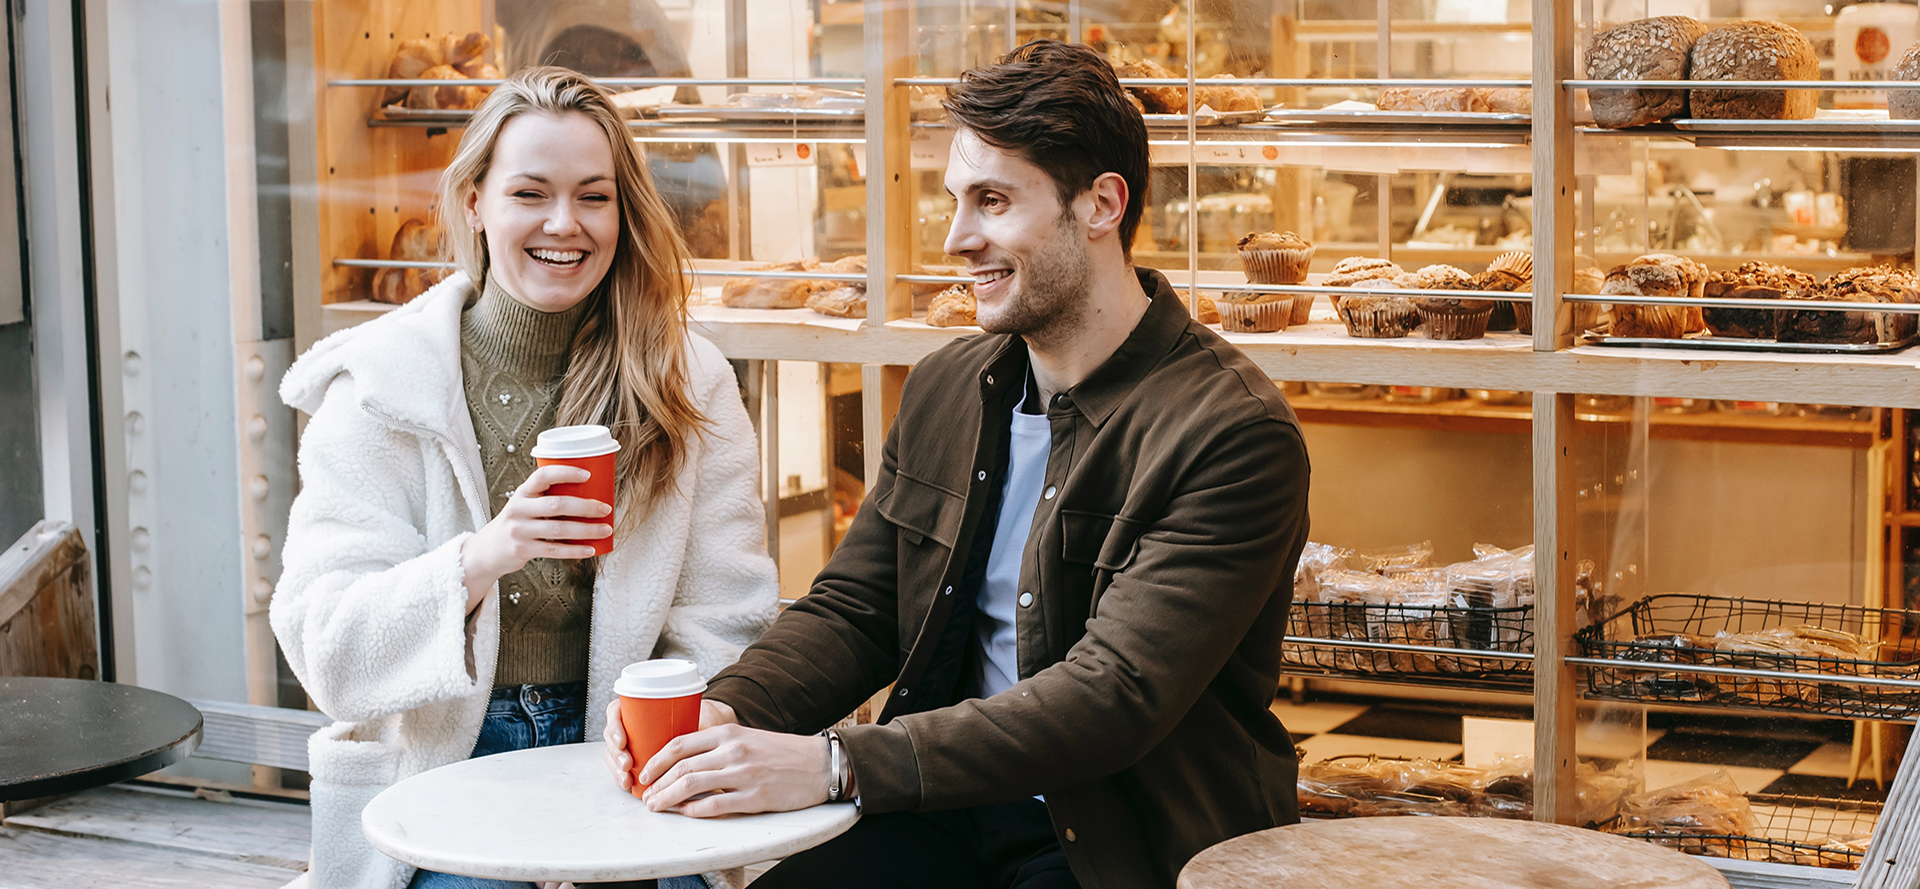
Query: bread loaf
x,y
768,293
1693,275
1648,49
1510,100
1753,50
1881,284
463,49
432,97
415,241
1905,104
1155,99
1445,98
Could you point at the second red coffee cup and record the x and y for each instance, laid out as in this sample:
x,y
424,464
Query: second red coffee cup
x,y
659,701
591,448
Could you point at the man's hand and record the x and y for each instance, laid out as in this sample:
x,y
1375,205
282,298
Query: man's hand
x,y
741,770
712,713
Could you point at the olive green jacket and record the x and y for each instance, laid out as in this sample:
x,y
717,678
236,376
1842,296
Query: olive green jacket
x,y
1161,569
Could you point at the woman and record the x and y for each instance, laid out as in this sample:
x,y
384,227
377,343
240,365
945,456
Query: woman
x,y
435,599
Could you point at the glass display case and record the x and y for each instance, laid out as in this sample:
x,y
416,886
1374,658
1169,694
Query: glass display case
x,y
1542,525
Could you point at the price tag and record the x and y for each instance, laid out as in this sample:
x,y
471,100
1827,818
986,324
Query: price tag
x,y
1233,153
929,149
779,154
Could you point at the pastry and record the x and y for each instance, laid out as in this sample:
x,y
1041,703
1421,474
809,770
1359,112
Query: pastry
x,y
1209,310
1510,100
1275,257
844,301
1630,320
1447,318
1881,284
1246,312
463,49
768,293
1751,280
953,307
1155,99
1905,104
1510,272
1378,317
1354,269
479,71
415,241
1753,50
1441,98
1656,48
410,61
431,97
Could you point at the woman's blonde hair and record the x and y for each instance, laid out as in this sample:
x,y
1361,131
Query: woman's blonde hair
x,y
628,368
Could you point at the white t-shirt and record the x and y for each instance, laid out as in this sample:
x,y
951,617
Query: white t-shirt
x,y
1000,592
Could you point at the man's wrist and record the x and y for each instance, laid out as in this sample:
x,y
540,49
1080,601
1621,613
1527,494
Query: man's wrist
x,y
839,769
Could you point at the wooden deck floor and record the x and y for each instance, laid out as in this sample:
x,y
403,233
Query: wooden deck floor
x,y
136,837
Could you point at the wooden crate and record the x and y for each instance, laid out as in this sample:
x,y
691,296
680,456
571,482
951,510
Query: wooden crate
x,y
46,605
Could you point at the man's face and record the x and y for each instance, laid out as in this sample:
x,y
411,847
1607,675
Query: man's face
x,y
1026,252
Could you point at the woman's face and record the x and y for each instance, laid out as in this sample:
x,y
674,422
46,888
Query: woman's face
x,y
549,209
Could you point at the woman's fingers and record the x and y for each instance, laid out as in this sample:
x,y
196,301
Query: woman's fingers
x,y
547,476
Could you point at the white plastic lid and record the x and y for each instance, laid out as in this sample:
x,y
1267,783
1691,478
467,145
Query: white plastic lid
x,y
567,442
660,678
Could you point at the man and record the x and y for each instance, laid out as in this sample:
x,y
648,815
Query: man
x,y
1074,567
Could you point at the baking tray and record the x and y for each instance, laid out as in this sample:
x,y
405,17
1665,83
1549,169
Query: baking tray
x,y
1360,117
1735,344
761,115
430,115
1217,118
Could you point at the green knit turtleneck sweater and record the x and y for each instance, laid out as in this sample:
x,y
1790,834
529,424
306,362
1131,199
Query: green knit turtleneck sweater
x,y
512,359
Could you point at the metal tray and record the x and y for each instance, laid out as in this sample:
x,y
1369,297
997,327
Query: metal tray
x,y
1860,126
1217,118
1734,344
1358,117
761,115
431,115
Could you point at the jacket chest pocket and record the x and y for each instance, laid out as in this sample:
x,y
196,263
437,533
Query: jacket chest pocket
x,y
1104,544
927,519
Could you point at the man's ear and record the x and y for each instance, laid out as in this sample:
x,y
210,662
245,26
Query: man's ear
x,y
1106,201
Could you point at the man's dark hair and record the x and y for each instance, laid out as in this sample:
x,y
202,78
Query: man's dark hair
x,y
1061,107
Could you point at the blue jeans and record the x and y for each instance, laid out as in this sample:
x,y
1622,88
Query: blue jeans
x,y
520,717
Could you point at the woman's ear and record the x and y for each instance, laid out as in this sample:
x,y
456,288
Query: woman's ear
x,y
1108,204
472,209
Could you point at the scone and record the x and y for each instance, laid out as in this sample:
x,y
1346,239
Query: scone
x,y
953,307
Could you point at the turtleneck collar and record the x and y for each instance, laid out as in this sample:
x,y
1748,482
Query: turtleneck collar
x,y
513,336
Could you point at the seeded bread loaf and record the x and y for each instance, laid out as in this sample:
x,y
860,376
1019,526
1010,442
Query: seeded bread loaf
x,y
1753,50
1905,104
1648,49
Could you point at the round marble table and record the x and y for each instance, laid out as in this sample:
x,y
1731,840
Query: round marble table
x,y
1442,853
554,813
66,735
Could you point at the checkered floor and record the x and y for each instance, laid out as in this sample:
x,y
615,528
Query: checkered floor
x,y
1762,754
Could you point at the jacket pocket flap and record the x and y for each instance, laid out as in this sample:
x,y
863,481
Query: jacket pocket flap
x,y
1104,541
353,754
924,509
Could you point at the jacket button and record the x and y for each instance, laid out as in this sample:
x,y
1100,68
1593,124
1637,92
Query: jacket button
x,y
947,592
903,692
1062,400
989,379
1026,599
1051,490
982,476
1070,836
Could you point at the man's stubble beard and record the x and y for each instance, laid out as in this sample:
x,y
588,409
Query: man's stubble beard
x,y
1050,305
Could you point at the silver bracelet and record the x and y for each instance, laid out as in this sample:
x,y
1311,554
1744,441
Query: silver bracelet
x,y
834,785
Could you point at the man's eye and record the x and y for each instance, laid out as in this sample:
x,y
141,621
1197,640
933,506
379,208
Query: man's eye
x,y
991,201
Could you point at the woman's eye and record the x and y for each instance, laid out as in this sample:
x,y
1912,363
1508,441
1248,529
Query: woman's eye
x,y
526,195
597,198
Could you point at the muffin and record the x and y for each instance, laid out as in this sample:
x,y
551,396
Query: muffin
x,y
1509,273
1275,257
1450,318
1355,269
1244,312
1693,274
1630,320
1377,317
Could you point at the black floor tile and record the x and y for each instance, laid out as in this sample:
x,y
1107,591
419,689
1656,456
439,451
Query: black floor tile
x,y
1300,736
1405,724
1784,727
1730,750
1830,788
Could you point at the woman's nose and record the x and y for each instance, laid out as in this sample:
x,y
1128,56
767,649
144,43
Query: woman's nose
x,y
562,221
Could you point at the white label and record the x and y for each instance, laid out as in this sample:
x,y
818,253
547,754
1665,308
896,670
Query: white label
x,y
779,154
929,149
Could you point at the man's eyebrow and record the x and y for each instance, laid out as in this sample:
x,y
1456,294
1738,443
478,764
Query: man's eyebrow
x,y
989,185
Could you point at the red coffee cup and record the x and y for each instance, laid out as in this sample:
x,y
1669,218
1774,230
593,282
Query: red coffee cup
x,y
591,448
659,701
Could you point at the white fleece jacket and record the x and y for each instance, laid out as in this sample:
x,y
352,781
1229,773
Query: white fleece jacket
x,y
371,604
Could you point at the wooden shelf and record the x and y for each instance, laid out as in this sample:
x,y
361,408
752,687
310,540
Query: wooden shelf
x,y
1467,415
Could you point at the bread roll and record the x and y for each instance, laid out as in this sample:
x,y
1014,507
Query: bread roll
x,y
1905,104
954,307
1754,50
1155,99
1658,48
768,293
842,300
416,241
410,61
1510,100
390,286
1446,98
463,49
426,98
472,96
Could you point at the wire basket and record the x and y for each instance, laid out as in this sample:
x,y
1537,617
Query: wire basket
x,y
1681,629
1473,628
1788,829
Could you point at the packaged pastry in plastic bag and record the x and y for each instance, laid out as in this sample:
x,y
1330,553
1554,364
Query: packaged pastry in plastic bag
x,y
1397,560
1351,595
1333,789
1506,789
1708,806
1418,615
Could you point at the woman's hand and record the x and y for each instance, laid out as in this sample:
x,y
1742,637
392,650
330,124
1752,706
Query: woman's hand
x,y
532,526
712,713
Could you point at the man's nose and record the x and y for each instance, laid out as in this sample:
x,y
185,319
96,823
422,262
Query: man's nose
x,y
963,236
